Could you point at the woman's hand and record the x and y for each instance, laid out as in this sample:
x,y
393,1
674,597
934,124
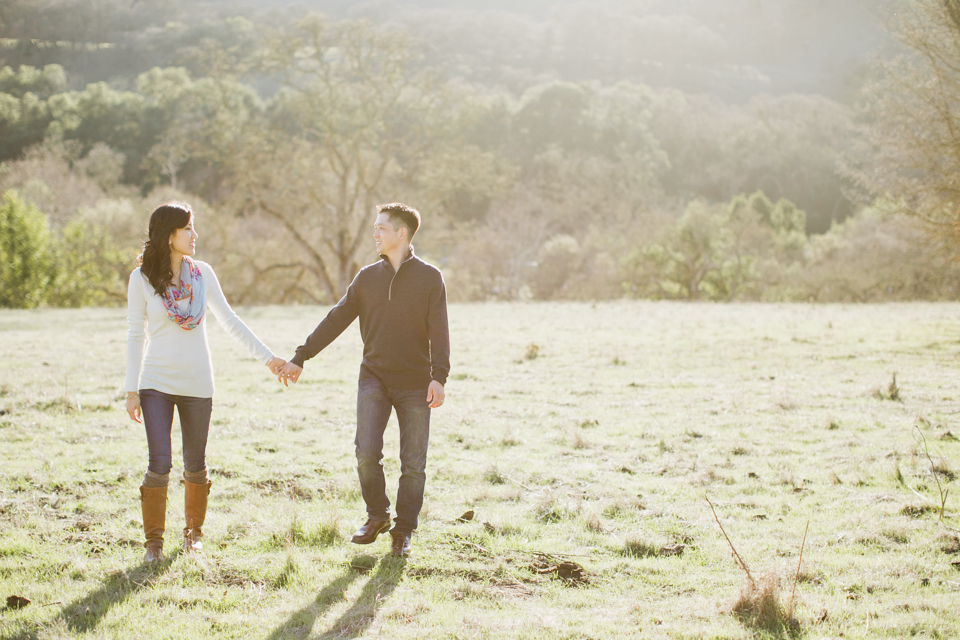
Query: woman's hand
x,y
274,364
133,408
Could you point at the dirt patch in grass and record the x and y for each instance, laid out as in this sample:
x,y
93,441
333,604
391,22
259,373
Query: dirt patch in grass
x,y
949,544
570,573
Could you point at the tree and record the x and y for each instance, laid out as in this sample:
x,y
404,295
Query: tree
x,y
55,178
720,252
877,255
200,122
916,110
25,256
788,146
101,114
88,268
24,114
354,117
557,260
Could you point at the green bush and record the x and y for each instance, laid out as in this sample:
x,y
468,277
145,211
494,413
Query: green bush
x,y
720,252
88,268
26,265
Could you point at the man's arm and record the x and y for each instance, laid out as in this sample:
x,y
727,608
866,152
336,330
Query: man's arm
x,y
439,333
336,322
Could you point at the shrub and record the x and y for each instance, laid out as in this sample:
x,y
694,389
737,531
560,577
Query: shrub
x,y
26,266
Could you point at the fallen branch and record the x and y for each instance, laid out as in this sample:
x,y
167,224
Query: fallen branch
x,y
549,555
506,477
474,545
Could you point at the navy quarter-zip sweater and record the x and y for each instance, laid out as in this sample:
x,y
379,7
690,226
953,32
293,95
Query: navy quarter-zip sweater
x,y
403,324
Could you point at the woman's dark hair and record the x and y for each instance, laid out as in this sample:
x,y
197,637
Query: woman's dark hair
x,y
154,262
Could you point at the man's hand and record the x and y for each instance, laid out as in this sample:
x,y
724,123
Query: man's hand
x,y
435,394
289,372
274,365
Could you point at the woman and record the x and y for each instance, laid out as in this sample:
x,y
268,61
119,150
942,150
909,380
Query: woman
x,y
167,300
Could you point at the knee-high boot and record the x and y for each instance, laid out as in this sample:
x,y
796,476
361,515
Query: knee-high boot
x,y
195,510
153,503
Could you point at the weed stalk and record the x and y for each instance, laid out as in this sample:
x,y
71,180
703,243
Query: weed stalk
x,y
933,470
743,565
793,592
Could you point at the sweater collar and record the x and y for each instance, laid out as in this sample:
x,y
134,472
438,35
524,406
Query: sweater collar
x,y
410,256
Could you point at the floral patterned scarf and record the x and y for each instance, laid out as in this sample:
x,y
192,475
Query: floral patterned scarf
x,y
191,289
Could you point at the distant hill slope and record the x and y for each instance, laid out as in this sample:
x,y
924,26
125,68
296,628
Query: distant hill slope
x,y
729,48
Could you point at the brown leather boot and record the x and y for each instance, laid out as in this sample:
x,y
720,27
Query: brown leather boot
x,y
195,510
153,503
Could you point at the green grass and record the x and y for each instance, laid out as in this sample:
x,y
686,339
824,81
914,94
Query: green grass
x,y
581,433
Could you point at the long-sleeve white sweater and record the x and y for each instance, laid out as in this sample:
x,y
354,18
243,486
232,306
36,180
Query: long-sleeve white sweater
x,y
177,361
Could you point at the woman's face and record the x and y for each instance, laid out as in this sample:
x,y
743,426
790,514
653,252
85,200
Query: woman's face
x,y
184,241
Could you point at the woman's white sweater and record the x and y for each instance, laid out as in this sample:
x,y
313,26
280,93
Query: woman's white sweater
x,y
177,361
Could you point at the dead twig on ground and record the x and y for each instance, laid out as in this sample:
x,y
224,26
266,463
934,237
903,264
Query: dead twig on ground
x,y
516,482
549,555
472,545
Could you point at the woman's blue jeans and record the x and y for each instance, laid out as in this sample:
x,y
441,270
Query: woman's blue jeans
x,y
374,403
157,410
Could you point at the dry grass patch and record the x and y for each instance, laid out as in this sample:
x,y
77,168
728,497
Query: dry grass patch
x,y
553,506
298,534
638,546
493,476
760,605
915,510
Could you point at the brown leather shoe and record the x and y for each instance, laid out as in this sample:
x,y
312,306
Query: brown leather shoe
x,y
401,544
370,530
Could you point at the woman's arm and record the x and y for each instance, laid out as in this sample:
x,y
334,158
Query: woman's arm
x,y
136,336
232,323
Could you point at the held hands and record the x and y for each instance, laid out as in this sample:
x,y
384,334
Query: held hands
x,y
274,365
435,394
289,372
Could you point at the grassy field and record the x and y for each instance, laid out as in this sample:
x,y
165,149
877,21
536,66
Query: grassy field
x,y
585,438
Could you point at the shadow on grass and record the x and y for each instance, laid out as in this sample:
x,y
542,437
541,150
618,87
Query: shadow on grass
x,y
300,623
375,593
358,617
84,614
786,631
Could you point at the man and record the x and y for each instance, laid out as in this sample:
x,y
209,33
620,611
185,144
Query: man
x,y
402,305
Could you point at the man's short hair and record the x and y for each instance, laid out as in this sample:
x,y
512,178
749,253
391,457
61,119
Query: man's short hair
x,y
401,216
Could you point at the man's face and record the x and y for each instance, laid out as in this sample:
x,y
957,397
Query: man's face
x,y
386,235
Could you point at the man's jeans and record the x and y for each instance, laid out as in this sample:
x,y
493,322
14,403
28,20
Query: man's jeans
x,y
157,409
374,402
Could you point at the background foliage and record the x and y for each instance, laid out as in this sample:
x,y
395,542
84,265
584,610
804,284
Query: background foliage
x,y
557,152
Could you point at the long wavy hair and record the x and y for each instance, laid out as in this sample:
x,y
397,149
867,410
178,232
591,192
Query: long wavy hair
x,y
154,262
